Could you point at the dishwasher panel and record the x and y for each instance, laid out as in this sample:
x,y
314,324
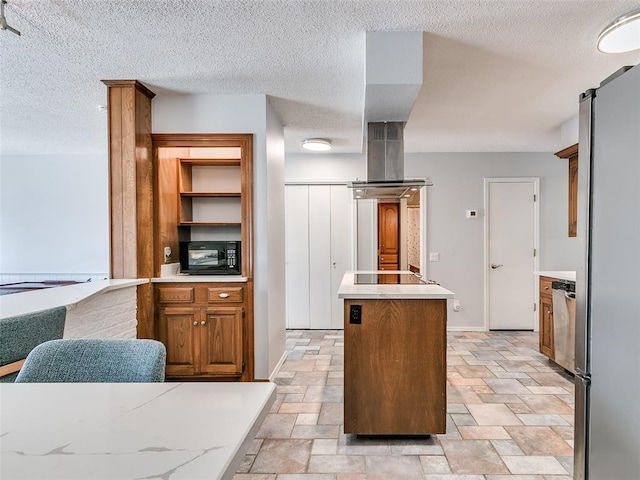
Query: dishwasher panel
x,y
564,324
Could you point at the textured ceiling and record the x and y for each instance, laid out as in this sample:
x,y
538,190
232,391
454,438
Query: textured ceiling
x,y
498,75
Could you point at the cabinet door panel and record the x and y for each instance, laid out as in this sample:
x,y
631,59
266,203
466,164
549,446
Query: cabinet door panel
x,y
297,255
546,327
341,247
320,256
178,332
221,341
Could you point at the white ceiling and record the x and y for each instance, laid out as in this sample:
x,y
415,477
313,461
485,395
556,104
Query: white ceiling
x,y
498,75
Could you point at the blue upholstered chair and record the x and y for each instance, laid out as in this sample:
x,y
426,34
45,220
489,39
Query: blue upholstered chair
x,y
89,360
22,333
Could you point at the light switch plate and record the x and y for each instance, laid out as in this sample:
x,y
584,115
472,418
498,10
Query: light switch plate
x,y
434,256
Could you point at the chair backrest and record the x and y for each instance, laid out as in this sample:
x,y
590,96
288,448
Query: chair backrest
x,y
22,333
89,360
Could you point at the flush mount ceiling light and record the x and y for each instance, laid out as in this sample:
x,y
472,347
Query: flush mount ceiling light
x,y
3,21
317,144
623,35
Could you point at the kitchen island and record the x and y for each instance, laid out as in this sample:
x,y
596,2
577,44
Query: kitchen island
x,y
394,354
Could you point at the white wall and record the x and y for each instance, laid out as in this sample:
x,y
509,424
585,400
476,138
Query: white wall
x,y
459,185
54,217
272,213
247,114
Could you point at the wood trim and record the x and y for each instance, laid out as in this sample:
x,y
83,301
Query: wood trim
x,y
571,153
568,152
130,83
11,368
131,191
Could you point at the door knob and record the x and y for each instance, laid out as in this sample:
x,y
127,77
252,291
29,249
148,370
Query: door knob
x,y
195,323
203,322
494,265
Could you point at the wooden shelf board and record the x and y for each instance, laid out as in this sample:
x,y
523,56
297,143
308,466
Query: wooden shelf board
x,y
211,194
211,161
209,224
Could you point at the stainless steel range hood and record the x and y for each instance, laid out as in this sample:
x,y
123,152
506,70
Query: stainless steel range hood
x,y
385,165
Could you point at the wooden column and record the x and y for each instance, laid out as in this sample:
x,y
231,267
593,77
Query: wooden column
x,y
130,190
571,153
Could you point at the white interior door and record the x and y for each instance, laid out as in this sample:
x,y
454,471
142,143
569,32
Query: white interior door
x,y
511,253
297,255
319,250
341,248
320,256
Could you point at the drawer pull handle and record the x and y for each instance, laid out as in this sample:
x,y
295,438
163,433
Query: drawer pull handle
x,y
547,287
223,295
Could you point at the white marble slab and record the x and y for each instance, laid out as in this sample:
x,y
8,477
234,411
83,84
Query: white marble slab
x,y
38,300
348,289
560,274
199,278
129,431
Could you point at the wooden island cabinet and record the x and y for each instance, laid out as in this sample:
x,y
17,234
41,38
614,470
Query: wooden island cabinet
x,y
395,366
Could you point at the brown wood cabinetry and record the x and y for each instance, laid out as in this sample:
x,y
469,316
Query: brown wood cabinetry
x,y
395,367
571,154
203,191
202,328
546,317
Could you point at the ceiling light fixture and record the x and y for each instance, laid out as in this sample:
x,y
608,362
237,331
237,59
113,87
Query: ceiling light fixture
x,y
623,35
317,144
3,21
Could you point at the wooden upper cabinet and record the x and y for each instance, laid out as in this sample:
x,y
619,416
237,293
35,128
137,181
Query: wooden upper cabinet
x,y
571,153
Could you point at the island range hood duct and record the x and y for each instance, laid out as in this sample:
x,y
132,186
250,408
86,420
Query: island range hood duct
x,y
385,165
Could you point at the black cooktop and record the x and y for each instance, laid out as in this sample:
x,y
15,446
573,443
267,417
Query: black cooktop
x,y
387,278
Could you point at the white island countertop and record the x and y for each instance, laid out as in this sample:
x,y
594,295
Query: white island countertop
x,y
348,289
124,430
559,274
46,298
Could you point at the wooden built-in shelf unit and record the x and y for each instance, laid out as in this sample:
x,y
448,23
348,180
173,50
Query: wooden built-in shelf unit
x,y
203,191
571,154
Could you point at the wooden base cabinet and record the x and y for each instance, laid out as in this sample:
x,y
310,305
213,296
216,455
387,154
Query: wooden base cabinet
x,y
546,317
202,328
395,369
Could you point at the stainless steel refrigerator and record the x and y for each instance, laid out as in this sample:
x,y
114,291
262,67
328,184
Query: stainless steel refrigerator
x,y
607,356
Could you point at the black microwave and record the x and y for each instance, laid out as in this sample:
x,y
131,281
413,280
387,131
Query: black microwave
x,y
210,258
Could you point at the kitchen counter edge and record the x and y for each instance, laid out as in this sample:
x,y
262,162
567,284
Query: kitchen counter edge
x,y
411,291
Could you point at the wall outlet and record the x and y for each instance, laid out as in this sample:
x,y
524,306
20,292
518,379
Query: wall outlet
x,y
472,214
167,254
434,256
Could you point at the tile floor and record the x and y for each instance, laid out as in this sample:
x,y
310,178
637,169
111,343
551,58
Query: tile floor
x,y
510,417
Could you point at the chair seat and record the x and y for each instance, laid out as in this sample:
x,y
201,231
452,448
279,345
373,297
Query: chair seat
x,y
95,361
22,333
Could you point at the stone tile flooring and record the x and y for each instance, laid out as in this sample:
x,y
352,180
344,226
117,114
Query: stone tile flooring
x,y
510,417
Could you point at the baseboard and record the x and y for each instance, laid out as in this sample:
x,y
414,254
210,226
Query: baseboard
x,y
466,329
277,367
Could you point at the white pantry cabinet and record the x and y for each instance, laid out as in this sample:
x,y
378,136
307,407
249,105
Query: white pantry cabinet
x,y
318,251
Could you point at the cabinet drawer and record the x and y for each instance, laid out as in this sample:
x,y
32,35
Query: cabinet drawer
x,y
545,285
225,294
175,294
388,258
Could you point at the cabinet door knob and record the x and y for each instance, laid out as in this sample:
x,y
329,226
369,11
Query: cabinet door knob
x,y
202,322
549,312
195,323
223,295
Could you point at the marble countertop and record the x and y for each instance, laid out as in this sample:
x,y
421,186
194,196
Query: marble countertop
x,y
199,278
560,274
38,300
349,290
120,430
